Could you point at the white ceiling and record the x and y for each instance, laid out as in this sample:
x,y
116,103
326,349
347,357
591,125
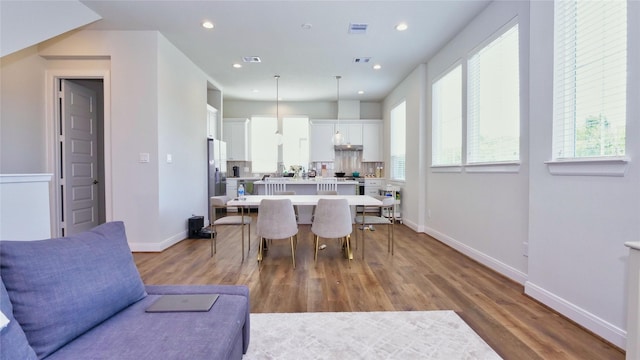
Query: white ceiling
x,y
306,60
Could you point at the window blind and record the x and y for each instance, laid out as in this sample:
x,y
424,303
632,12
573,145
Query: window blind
x,y
264,144
590,78
493,101
398,124
447,119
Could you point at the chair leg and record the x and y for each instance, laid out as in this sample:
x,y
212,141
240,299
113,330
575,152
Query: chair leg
x,y
349,253
315,243
293,253
260,250
363,241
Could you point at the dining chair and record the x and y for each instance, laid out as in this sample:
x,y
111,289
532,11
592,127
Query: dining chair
x,y
386,217
322,192
289,192
220,202
277,221
333,220
327,184
271,188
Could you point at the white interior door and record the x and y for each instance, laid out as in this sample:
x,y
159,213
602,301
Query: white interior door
x,y
79,176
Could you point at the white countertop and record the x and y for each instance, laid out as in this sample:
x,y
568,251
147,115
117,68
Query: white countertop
x,y
244,178
307,182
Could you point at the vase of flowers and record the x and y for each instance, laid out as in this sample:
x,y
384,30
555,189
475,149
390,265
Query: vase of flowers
x,y
296,169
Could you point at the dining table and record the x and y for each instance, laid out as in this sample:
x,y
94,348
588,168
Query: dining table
x,y
305,200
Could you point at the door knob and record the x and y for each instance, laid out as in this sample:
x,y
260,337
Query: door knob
x,y
95,182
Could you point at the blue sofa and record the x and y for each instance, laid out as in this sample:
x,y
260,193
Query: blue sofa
x,y
81,297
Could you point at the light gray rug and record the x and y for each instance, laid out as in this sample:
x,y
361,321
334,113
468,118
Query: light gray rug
x,y
365,335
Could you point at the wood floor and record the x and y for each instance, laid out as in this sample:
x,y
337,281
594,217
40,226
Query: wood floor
x,y
423,274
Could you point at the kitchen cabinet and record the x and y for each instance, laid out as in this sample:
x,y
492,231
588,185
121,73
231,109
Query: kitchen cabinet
x,y
320,144
351,132
372,141
236,134
212,122
372,186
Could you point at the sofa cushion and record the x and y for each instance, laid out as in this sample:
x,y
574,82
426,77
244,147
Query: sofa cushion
x,y
13,343
134,334
60,288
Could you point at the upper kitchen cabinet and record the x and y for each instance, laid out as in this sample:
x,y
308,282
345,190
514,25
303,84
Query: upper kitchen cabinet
x,y
351,132
212,122
372,141
320,145
236,133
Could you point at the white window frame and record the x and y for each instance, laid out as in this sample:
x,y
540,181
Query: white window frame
x,y
505,162
568,102
398,141
447,118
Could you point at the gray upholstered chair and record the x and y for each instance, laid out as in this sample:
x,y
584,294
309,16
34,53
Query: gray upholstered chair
x,y
220,202
276,221
387,217
322,192
289,192
332,220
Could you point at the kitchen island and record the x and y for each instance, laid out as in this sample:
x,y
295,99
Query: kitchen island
x,y
307,187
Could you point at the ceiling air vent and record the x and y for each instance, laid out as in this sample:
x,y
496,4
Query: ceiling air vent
x,y
361,60
251,59
357,28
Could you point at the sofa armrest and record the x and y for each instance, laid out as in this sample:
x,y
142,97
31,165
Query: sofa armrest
x,y
239,290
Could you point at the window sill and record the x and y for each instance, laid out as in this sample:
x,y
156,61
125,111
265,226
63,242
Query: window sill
x,y
614,166
499,167
446,168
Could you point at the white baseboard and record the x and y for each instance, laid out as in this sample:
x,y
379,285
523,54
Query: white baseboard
x,y
602,328
158,247
494,264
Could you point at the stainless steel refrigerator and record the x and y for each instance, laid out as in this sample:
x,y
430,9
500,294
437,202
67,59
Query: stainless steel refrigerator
x,y
217,169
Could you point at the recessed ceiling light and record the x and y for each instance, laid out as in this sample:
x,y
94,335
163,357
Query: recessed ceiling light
x,y
207,25
360,92
402,27
377,67
237,66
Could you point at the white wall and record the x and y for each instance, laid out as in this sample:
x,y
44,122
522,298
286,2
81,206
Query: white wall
x,y
575,226
312,109
578,224
22,117
412,90
182,129
154,109
482,214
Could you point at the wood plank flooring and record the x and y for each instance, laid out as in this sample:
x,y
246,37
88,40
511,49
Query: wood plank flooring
x,y
424,274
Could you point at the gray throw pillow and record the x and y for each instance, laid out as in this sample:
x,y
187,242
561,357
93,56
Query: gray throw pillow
x,y
60,288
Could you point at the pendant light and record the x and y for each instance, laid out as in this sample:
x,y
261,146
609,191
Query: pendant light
x,y
278,134
337,137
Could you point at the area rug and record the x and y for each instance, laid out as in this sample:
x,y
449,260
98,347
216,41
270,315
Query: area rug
x,y
365,335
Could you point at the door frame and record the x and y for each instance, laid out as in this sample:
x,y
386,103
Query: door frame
x,y
52,128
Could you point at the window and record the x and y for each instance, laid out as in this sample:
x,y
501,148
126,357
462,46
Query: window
x,y
590,79
295,141
447,119
398,141
493,101
264,144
